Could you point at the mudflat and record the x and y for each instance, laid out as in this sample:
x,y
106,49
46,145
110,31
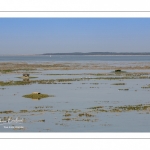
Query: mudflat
x,y
78,97
15,66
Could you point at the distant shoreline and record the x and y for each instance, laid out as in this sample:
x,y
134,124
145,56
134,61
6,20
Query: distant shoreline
x,y
83,54
101,54
67,55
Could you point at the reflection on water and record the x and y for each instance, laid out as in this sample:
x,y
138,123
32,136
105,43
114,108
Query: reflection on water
x,y
35,98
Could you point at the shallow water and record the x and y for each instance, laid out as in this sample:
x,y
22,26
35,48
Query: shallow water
x,y
79,96
74,58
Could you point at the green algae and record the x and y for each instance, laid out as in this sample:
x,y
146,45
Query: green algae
x,y
145,87
96,107
140,107
126,108
41,120
7,71
123,89
63,74
26,77
10,83
67,114
37,96
66,119
85,114
65,81
23,111
118,84
94,83
6,112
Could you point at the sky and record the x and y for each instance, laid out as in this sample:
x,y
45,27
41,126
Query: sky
x,y
61,35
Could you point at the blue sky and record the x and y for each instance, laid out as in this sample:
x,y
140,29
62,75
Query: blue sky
x,y
50,35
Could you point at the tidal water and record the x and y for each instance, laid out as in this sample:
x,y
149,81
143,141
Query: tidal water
x,y
73,58
80,96
75,98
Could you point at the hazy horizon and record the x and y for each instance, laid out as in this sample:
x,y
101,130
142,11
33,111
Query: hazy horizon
x,y
25,36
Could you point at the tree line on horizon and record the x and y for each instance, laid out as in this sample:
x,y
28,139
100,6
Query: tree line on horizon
x,y
100,53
